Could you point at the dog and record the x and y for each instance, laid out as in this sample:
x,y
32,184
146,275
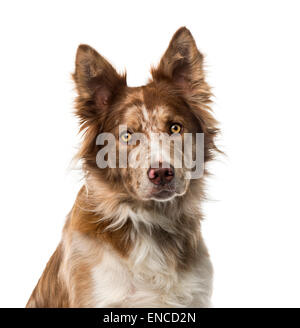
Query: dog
x,y
133,237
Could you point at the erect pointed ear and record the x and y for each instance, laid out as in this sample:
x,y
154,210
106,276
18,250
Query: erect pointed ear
x,y
95,77
182,64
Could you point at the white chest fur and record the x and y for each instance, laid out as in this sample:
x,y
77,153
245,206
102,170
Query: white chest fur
x,y
144,280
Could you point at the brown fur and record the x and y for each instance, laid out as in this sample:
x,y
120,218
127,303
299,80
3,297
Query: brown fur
x,y
104,101
50,291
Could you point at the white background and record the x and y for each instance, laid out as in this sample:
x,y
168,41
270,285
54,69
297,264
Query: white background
x,y
252,50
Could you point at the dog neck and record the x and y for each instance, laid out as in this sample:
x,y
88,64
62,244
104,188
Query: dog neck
x,y
173,226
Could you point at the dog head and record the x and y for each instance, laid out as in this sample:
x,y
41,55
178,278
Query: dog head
x,y
147,125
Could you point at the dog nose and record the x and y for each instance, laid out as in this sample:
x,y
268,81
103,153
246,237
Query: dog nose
x,y
161,176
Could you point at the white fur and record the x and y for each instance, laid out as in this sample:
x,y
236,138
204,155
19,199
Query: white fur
x,y
145,114
144,279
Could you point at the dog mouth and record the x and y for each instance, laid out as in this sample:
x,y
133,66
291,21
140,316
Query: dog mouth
x,y
163,194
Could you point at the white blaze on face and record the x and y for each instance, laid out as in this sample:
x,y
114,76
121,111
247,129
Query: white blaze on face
x,y
155,146
160,148
145,115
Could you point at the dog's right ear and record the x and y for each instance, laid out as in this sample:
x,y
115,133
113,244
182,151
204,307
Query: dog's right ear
x,y
96,80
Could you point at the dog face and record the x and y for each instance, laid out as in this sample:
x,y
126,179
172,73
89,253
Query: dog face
x,y
152,124
149,124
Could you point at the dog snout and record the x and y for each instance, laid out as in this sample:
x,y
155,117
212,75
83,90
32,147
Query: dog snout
x,y
161,175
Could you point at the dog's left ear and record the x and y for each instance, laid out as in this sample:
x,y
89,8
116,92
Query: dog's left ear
x,y
182,65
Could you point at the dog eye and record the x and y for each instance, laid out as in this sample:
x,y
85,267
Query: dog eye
x,y
175,128
126,136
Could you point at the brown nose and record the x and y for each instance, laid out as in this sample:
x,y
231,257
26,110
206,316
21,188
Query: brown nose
x,y
161,176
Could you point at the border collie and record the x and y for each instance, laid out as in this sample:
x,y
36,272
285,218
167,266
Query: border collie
x,y
133,237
